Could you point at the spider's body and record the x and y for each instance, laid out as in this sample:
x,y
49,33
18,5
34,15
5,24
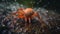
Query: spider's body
x,y
28,14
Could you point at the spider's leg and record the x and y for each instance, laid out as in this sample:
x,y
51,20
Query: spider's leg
x,y
29,21
25,21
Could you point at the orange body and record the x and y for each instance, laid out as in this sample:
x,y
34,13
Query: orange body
x,y
28,14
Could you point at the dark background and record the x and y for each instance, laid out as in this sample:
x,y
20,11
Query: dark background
x,y
50,5
47,4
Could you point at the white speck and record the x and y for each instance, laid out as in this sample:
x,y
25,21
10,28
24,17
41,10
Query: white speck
x,y
3,25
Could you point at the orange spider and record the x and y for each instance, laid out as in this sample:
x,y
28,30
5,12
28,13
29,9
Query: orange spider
x,y
28,14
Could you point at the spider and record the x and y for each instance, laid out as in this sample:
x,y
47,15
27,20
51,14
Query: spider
x,y
28,14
